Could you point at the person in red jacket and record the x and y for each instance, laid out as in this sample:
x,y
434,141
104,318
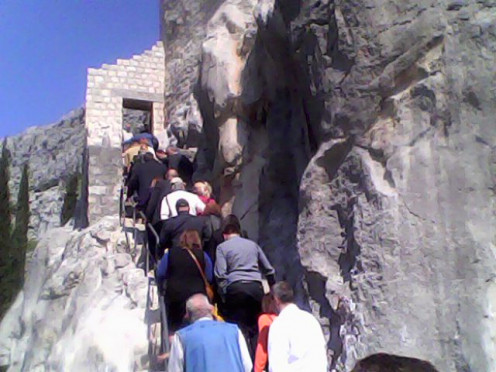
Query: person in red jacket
x,y
269,313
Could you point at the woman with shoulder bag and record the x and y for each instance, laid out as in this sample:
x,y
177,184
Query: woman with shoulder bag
x,y
180,267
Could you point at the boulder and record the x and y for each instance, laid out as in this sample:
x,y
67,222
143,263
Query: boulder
x,y
76,312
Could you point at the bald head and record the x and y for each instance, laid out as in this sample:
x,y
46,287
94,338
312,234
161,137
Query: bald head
x,y
198,307
171,173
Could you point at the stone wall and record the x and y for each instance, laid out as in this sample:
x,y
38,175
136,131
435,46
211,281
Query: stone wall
x,y
140,78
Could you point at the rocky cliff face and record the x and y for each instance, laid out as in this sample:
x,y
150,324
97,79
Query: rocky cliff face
x,y
356,141
54,154
82,307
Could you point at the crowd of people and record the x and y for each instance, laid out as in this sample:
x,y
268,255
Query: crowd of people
x,y
206,260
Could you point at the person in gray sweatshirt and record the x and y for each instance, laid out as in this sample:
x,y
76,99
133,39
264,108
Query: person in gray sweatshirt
x,y
239,266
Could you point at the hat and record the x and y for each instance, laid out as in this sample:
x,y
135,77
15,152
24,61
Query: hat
x,y
176,180
181,203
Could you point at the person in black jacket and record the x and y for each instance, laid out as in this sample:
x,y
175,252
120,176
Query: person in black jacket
x,y
173,227
183,276
212,218
181,163
160,188
141,178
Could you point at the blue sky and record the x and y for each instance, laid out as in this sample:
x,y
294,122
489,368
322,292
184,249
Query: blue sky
x,y
46,47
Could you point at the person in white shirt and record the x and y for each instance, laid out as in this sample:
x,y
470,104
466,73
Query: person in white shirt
x,y
208,345
168,205
296,341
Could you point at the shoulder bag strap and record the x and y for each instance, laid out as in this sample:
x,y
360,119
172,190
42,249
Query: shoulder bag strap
x,y
199,266
168,205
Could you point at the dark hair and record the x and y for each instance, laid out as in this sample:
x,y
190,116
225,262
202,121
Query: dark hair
x,y
283,292
269,304
182,203
190,239
148,156
212,208
231,225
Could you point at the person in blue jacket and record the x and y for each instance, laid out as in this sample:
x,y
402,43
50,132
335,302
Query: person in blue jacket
x,y
208,345
145,134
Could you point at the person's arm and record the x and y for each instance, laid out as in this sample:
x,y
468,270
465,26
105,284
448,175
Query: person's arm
x,y
220,269
165,240
208,268
206,230
129,141
162,267
245,354
132,186
176,358
261,355
266,267
278,350
152,203
199,206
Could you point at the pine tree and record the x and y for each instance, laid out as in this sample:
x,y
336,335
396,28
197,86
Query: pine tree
x,y
70,199
5,228
20,234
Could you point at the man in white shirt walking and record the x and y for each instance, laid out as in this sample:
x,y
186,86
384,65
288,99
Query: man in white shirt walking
x,y
168,206
296,341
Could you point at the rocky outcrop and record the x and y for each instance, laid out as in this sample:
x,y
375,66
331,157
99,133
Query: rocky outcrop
x,y
82,307
54,154
356,142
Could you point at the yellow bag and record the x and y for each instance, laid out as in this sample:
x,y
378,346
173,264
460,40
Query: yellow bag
x,y
217,316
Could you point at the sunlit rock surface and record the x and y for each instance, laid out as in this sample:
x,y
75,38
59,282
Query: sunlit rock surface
x,y
82,307
356,142
54,154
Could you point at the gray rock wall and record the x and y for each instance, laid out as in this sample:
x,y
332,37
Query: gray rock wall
x,y
183,30
82,307
356,141
54,153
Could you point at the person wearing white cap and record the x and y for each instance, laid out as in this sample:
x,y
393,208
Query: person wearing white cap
x,y
168,206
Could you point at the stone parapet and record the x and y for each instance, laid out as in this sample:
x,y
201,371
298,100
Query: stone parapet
x,y
141,79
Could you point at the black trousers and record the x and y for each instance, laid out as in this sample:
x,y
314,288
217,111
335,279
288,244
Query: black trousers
x,y
243,305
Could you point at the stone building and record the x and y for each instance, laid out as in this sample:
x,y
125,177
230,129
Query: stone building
x,y
136,83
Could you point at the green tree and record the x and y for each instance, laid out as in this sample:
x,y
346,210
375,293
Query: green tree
x,y
20,234
5,229
70,199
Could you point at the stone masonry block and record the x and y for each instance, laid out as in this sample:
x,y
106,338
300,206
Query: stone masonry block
x,y
97,190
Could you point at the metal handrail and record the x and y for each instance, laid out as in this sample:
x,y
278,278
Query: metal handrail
x,y
155,235
164,330
165,344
